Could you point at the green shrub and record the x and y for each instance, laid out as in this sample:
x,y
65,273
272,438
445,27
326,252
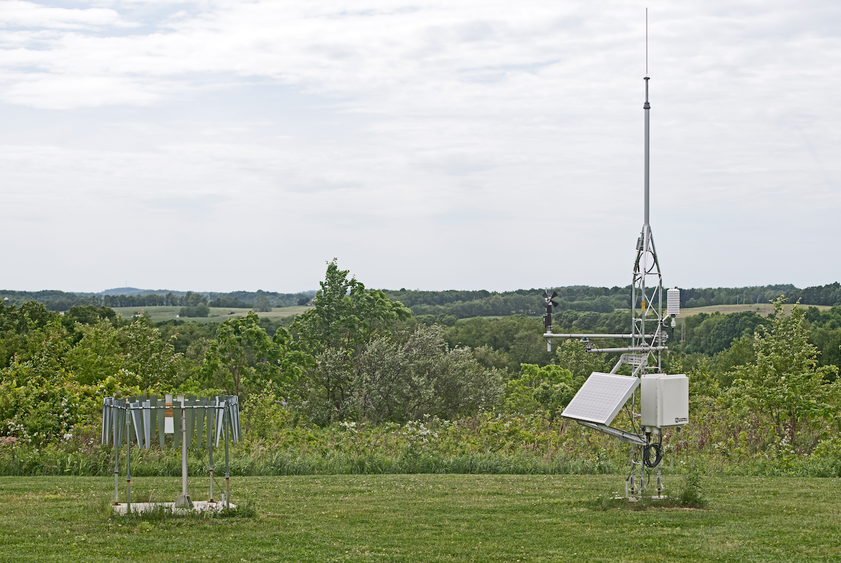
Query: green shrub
x,y
691,492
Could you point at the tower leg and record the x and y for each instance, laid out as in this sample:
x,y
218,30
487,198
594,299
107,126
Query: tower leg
x,y
183,500
128,461
659,481
227,466
116,459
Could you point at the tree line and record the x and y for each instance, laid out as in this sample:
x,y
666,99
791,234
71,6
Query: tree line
x,y
767,385
440,304
64,301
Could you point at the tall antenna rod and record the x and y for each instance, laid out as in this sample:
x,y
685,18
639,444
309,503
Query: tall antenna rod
x,y
646,292
646,107
647,287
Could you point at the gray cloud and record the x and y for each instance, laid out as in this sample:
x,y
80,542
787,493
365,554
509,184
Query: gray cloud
x,y
435,146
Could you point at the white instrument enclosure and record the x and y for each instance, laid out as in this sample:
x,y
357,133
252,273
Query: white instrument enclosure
x,y
665,400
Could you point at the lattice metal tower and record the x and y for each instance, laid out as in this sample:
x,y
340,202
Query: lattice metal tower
x,y
647,288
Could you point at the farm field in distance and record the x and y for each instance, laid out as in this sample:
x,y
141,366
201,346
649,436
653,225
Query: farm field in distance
x,y
429,518
763,309
217,314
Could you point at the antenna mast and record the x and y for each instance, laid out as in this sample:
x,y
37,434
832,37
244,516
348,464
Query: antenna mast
x,y
603,395
647,287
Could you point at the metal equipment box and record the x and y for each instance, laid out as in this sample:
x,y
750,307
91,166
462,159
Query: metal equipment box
x,y
665,400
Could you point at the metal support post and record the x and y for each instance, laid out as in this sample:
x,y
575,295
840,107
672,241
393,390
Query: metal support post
x,y
183,500
116,460
643,488
183,451
227,467
128,459
211,430
659,481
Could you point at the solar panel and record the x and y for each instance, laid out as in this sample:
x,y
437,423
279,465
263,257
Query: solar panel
x,y
601,397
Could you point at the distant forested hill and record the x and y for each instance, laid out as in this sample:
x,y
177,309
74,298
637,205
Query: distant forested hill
x,y
55,300
455,304
466,304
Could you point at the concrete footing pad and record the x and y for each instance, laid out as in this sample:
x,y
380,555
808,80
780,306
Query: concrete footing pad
x,y
198,506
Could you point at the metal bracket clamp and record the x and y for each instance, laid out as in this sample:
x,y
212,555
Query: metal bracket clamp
x,y
628,437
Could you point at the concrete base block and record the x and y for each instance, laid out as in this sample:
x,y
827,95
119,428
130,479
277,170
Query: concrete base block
x,y
198,506
184,502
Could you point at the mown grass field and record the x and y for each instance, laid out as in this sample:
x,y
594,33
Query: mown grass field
x,y
420,518
217,314
763,309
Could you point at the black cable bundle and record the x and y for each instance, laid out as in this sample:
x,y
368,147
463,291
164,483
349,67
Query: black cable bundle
x,y
658,453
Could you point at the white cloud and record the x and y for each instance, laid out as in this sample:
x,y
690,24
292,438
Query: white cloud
x,y
19,14
439,145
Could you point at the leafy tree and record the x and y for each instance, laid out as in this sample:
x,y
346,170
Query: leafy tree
x,y
90,314
232,302
572,355
733,327
29,316
191,299
697,331
741,352
400,381
344,318
491,358
345,315
185,333
39,401
261,304
326,387
589,321
98,355
150,362
200,310
42,411
516,339
785,383
135,355
826,334
829,294
546,389
828,342
244,358
711,334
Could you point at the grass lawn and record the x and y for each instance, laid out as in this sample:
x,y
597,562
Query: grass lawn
x,y
217,314
419,518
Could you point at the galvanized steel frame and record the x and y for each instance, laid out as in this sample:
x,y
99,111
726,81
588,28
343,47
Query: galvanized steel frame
x,y
141,414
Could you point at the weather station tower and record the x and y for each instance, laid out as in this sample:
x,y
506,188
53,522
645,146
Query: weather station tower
x,y
653,400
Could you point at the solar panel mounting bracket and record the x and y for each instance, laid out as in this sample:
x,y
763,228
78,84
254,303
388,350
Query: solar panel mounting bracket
x,y
628,437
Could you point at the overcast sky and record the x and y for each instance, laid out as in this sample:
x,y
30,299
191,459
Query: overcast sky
x,y
224,145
